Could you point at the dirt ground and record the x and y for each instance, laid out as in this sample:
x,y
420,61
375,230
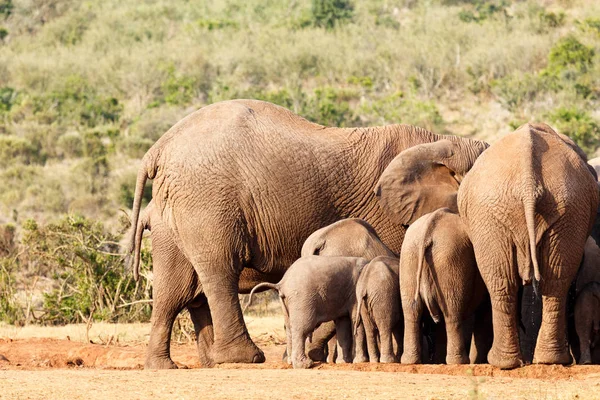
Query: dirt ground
x,y
57,363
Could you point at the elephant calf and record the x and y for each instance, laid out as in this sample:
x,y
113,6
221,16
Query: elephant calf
x,y
378,308
438,268
587,320
315,290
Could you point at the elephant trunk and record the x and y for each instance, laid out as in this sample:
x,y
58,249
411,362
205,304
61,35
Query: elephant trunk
x,y
267,285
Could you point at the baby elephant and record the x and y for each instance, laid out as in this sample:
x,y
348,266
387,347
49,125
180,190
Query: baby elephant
x,y
315,290
587,320
437,268
378,299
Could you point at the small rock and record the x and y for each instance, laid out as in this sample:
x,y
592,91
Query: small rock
x,y
2,358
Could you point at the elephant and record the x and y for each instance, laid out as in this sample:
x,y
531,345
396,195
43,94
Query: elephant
x,y
378,308
175,287
587,320
528,202
352,237
590,265
438,271
315,290
242,183
595,163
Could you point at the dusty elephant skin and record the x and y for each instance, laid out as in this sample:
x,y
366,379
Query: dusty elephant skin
x,y
378,309
316,290
438,271
529,221
351,237
529,203
587,320
241,184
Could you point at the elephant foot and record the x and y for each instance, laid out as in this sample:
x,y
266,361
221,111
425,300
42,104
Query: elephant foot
x,y
408,358
457,359
360,359
303,363
317,354
388,358
242,351
159,363
504,360
552,357
585,358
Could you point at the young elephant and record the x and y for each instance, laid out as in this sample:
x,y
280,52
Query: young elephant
x,y
587,320
589,271
315,290
438,268
350,237
378,299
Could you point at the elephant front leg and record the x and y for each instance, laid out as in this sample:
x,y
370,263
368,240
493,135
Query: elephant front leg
x,y
204,332
232,342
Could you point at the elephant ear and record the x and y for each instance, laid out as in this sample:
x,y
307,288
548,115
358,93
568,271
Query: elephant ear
x,y
420,180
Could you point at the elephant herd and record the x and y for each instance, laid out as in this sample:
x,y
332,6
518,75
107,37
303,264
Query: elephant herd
x,y
368,233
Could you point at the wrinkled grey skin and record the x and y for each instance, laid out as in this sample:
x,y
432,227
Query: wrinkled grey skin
x,y
351,237
241,184
438,271
587,320
315,290
378,299
529,202
176,286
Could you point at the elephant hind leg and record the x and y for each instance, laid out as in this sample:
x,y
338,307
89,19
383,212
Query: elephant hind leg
x,y
204,332
559,271
158,354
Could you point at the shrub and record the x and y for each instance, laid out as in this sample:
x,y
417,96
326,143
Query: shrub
x,y
569,53
579,126
483,10
134,147
329,13
6,7
17,149
516,89
70,145
83,257
8,97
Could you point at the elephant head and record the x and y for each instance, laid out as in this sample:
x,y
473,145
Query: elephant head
x,y
426,177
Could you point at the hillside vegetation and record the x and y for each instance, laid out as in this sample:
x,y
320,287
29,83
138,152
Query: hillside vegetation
x,y
86,87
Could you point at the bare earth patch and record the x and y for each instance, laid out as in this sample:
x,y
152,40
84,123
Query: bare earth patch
x,y
54,367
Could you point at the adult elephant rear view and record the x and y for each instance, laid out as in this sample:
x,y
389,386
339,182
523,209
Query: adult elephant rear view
x,y
243,183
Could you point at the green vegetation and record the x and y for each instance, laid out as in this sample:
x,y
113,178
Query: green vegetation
x,y
87,87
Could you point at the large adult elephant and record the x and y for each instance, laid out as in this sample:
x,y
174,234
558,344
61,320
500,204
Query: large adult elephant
x,y
242,183
529,203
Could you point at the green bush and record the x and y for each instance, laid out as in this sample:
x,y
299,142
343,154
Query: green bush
x,y
6,8
482,10
16,149
579,126
330,13
518,89
83,257
70,145
8,97
569,54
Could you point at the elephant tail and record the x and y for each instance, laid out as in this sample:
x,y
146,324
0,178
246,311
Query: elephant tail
x,y
143,224
530,221
425,294
266,285
532,192
147,170
357,316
